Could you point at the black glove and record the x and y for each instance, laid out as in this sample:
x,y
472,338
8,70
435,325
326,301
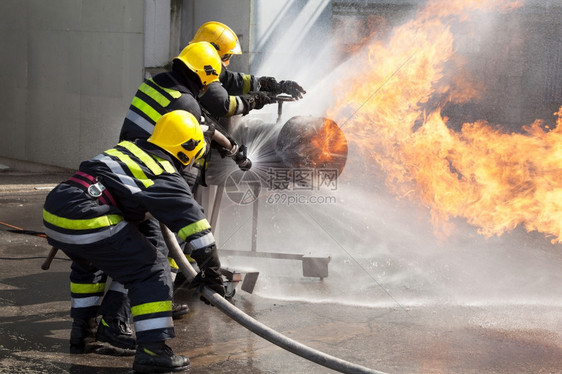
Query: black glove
x,y
241,158
270,84
292,88
256,100
225,152
209,276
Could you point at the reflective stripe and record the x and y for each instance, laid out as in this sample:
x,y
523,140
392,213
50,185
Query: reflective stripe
x,y
173,263
154,323
154,95
167,165
85,302
239,106
135,168
85,238
232,106
173,93
193,228
119,172
200,163
153,307
143,156
146,109
87,287
118,287
246,83
82,224
204,241
140,121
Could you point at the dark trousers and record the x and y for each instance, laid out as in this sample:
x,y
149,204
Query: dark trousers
x,y
116,304
131,259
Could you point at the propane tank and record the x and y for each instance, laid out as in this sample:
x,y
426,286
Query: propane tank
x,y
312,142
303,142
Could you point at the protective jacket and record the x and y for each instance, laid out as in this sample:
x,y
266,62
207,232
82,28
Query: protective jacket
x,y
93,218
163,93
220,98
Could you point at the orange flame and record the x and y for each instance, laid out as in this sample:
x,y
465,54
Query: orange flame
x,y
329,141
496,181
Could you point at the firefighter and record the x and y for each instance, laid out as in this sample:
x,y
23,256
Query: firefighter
x,y
192,70
94,218
240,92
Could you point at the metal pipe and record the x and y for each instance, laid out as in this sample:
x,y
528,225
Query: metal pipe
x,y
255,326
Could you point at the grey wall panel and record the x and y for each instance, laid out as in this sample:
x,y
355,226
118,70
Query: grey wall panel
x,y
113,16
53,61
69,70
51,128
157,33
235,14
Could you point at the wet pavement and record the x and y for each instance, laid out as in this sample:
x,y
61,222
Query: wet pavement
x,y
390,337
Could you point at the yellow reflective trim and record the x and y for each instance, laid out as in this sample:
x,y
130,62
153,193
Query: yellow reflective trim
x,y
246,83
200,162
81,224
146,109
87,287
232,106
173,263
154,307
173,93
133,166
167,165
194,228
143,156
154,95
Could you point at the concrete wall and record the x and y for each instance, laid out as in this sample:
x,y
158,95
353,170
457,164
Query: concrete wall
x,y
69,69
157,33
236,14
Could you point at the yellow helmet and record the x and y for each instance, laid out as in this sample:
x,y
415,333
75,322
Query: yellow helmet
x,y
202,58
221,37
179,133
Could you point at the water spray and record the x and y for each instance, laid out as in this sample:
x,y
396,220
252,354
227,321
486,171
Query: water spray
x,y
255,326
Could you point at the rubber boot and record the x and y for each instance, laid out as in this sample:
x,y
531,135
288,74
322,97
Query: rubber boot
x,y
82,335
179,310
119,335
158,358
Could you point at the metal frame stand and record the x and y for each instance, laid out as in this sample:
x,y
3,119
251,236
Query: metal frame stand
x,y
313,267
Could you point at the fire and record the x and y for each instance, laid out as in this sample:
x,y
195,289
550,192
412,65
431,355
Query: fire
x,y
329,141
494,180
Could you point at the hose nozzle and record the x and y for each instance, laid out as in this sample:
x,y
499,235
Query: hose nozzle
x,y
241,158
245,165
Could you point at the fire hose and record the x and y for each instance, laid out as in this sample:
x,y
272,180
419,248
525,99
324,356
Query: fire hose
x,y
255,326
52,252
